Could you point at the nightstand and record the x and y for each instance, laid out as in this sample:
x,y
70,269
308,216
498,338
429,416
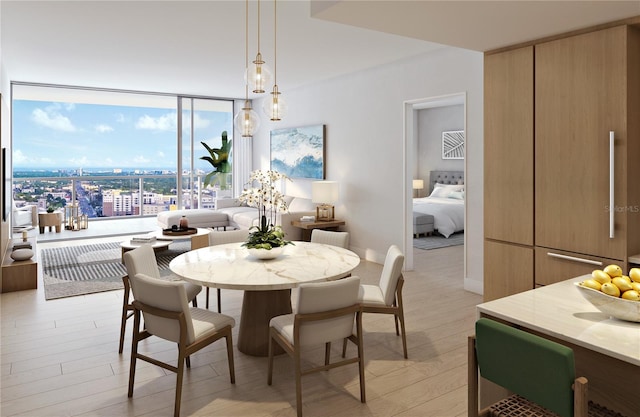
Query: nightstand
x,y
307,227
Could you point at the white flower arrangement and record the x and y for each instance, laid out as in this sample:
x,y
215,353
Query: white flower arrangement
x,y
268,200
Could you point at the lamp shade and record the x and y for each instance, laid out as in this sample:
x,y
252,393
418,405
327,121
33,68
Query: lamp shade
x,y
324,192
418,184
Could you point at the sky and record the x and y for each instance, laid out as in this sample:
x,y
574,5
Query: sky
x,y
49,135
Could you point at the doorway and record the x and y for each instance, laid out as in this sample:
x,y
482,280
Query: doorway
x,y
412,109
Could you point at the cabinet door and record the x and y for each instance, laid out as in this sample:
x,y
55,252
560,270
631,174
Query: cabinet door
x,y
508,146
554,266
580,95
508,269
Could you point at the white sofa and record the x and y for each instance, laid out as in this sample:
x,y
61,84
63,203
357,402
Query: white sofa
x,y
230,212
24,216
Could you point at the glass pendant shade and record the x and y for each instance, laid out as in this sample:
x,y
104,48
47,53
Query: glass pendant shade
x,y
259,75
246,120
275,107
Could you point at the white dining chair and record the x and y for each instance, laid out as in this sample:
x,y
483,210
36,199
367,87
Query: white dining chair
x,y
325,312
167,315
142,260
386,296
329,237
220,238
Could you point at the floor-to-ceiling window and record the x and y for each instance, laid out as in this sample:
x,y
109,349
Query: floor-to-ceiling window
x,y
116,153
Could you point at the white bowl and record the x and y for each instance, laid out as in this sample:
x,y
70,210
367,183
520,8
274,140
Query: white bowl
x,y
21,254
615,307
266,253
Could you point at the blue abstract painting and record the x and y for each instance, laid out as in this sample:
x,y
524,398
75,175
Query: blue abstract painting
x,y
298,152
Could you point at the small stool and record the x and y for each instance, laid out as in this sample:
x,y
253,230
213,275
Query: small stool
x,y
422,224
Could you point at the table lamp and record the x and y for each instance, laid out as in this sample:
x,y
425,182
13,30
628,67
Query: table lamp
x,y
418,185
324,193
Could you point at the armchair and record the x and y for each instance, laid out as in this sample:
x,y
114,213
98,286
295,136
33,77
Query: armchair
x,y
24,216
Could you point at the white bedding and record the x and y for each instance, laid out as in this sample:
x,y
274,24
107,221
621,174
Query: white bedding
x,y
448,213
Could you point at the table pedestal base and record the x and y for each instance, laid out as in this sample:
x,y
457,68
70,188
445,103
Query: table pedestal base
x,y
258,308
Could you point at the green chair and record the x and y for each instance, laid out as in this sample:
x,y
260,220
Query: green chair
x,y
540,374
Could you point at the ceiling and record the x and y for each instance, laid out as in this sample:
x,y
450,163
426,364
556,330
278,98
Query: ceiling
x,y
198,47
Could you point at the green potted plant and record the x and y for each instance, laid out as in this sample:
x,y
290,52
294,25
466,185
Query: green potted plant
x,y
219,160
267,239
50,209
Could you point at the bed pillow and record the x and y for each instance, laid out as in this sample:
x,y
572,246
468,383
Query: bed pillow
x,y
458,195
440,192
451,187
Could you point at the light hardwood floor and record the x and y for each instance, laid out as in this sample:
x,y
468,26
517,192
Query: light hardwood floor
x,y
60,358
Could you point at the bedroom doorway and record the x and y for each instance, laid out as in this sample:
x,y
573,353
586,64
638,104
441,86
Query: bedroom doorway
x,y
430,117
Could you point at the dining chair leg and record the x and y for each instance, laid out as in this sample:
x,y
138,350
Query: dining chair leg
x,y
363,395
270,363
207,298
298,372
232,367
327,353
123,326
134,352
179,377
219,301
344,348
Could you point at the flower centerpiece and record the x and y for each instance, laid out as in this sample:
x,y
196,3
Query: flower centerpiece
x,y
266,236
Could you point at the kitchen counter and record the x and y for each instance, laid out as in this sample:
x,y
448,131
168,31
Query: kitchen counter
x,y
607,350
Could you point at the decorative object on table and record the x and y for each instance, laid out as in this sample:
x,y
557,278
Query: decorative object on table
x,y
618,308
50,209
417,186
453,144
268,200
176,231
219,160
299,152
325,193
73,219
184,222
21,254
24,235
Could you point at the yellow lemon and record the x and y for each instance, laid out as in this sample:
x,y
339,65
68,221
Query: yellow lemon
x,y
634,274
600,276
631,295
613,270
626,277
591,283
622,284
635,286
610,289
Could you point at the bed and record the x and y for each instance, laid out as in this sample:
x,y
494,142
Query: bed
x,y
445,201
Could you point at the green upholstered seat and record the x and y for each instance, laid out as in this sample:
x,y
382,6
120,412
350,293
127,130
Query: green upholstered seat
x,y
535,368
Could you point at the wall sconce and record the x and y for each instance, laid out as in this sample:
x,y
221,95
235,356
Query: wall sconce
x,y
418,185
324,193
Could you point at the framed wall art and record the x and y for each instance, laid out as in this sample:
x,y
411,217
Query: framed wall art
x,y
299,152
453,144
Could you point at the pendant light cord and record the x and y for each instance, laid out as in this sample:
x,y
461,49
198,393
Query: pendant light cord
x,y
275,44
246,49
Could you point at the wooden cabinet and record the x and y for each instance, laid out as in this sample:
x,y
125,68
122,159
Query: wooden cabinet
x,y
508,269
583,87
580,95
19,275
508,143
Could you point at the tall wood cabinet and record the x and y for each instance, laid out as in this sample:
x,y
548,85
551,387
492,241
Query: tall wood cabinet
x,y
581,88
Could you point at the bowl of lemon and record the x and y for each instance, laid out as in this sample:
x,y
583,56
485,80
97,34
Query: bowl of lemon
x,y
613,293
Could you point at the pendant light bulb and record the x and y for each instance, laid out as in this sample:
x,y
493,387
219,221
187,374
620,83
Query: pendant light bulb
x,y
275,107
259,75
247,120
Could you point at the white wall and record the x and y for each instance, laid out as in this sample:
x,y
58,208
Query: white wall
x,y
364,114
428,155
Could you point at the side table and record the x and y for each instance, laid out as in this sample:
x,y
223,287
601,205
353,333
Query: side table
x,y
51,220
307,227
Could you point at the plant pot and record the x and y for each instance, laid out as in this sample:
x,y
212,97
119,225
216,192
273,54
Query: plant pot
x,y
266,253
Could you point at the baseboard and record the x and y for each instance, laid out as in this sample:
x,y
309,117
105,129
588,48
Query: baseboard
x,y
473,285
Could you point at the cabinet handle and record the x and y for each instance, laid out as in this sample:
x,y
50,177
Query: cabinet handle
x,y
573,258
612,209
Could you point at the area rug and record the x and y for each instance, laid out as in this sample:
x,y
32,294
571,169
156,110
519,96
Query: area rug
x,y
78,270
438,241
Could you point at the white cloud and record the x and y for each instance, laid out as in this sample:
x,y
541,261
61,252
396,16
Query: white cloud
x,y
120,118
160,154
69,106
101,128
166,122
53,120
80,162
141,159
19,157
198,122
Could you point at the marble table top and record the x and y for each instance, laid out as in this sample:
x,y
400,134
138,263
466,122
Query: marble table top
x,y
559,310
230,266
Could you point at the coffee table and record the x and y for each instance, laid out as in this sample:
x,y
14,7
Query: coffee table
x,y
200,239
266,283
51,220
157,245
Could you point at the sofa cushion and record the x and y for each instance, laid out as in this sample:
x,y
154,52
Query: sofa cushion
x,y
301,204
195,217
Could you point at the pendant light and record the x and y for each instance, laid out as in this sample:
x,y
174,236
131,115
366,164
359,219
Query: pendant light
x,y
259,75
246,121
275,107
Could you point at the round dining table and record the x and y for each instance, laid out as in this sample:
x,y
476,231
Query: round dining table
x,y
266,284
